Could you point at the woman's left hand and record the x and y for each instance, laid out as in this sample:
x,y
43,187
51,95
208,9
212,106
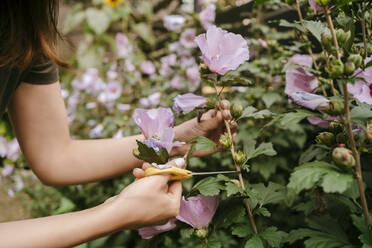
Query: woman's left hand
x,y
211,126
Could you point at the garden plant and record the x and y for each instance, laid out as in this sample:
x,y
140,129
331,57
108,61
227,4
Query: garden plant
x,y
298,77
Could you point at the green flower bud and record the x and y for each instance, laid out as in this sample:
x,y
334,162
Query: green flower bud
x,y
341,138
211,103
250,123
323,3
327,41
225,140
236,110
239,157
349,68
356,59
335,108
326,138
342,36
335,69
201,233
336,127
343,157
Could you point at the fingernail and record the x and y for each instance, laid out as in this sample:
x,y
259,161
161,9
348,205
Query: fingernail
x,y
179,162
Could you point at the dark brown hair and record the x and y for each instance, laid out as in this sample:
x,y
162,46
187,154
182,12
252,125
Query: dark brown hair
x,y
28,29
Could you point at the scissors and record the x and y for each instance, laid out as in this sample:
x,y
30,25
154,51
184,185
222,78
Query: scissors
x,y
181,174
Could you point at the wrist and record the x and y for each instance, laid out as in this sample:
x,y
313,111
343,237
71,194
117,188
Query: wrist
x,y
116,215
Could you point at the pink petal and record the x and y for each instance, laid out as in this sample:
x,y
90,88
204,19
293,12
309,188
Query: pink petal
x,y
151,231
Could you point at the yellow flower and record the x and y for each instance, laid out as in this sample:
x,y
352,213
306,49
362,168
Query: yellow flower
x,y
112,3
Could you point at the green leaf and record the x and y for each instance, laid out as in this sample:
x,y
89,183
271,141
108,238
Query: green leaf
x,y
248,112
75,17
273,193
270,98
315,28
149,155
232,189
319,173
254,242
145,32
65,205
273,236
262,211
263,149
285,23
209,186
295,117
362,112
212,244
242,230
97,20
203,143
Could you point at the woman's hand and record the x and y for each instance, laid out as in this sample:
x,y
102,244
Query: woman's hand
x,y
149,201
211,126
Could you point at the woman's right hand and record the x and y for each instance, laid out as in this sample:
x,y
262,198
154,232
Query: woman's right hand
x,y
149,201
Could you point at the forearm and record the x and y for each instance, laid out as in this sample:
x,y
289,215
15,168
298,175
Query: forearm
x,y
64,230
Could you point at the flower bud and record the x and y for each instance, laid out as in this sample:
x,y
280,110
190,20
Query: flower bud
x,y
250,123
342,36
335,69
236,110
225,140
327,41
326,138
343,157
336,127
336,107
349,68
356,59
201,233
341,138
323,3
239,157
211,103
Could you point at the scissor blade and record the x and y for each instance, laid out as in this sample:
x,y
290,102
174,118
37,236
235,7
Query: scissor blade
x,y
213,173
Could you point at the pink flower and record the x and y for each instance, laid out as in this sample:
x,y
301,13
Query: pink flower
x,y
207,16
187,38
317,121
111,93
96,132
7,170
147,67
151,231
123,107
310,101
315,6
299,79
262,43
198,211
188,102
122,45
362,90
153,122
222,51
176,82
173,22
118,135
3,146
13,151
151,100
166,141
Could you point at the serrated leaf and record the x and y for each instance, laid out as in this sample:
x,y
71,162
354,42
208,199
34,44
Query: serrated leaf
x,y
295,117
242,230
203,143
263,149
212,244
248,111
270,98
262,211
285,23
310,174
254,242
149,155
232,189
97,20
361,112
273,236
209,186
273,193
315,28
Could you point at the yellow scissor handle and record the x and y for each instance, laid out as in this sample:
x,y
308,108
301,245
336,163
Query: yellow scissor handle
x,y
177,173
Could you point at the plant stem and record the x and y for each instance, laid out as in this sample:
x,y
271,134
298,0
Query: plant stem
x,y
347,122
237,167
363,21
333,33
356,156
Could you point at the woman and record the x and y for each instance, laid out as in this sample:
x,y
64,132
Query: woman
x,y
29,88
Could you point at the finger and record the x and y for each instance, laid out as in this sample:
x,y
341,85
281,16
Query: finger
x,y
175,189
138,173
226,114
145,166
178,162
210,114
225,105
